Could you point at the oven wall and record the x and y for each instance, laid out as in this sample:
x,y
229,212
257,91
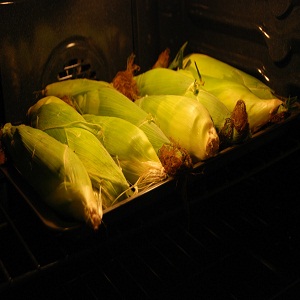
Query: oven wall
x,y
40,38
260,37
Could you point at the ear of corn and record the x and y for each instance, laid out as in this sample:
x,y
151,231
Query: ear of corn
x,y
260,111
54,171
212,67
52,111
66,125
163,81
72,87
130,148
231,85
105,174
107,101
232,125
186,121
182,82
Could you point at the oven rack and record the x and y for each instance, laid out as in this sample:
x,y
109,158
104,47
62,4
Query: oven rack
x,y
236,235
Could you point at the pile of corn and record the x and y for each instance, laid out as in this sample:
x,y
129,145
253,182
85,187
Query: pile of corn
x,y
89,144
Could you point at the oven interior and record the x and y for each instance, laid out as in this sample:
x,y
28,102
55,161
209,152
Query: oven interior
x,y
230,230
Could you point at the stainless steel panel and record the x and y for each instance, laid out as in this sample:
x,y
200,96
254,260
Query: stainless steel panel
x,y
40,38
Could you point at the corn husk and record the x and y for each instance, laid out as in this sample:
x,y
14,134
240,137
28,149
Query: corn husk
x,y
212,67
260,111
232,125
131,149
107,101
54,171
185,120
65,124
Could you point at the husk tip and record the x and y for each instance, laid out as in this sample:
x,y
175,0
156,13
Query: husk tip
x,y
175,159
94,218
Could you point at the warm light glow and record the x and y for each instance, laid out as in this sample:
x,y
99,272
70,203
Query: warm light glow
x,y
264,75
70,45
264,32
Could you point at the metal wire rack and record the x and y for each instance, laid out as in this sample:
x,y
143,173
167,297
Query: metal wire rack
x,y
235,236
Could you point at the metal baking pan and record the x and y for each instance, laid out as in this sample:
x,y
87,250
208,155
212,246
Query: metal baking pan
x,y
54,221
158,192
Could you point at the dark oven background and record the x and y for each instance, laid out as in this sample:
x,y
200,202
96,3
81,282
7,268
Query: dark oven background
x,y
43,41
231,232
